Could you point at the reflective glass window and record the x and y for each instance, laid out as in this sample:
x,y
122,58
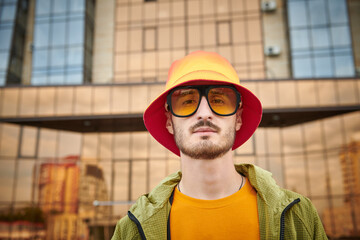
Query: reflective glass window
x,y
77,5
4,58
60,6
7,13
7,171
39,79
58,33
74,78
57,58
40,58
75,56
59,42
2,78
24,184
41,35
344,66
42,7
56,79
300,39
323,67
5,38
320,39
340,36
317,14
302,67
338,11
76,32
297,14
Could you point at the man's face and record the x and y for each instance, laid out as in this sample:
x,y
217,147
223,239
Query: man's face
x,y
204,135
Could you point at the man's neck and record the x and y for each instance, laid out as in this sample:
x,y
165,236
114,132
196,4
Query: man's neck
x,y
209,179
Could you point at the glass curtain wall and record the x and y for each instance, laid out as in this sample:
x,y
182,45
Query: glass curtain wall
x,y
13,15
320,39
62,173
62,47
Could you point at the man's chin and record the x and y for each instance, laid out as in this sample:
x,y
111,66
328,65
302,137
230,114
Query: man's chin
x,y
208,152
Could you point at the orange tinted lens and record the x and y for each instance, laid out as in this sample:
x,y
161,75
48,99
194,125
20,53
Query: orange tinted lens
x,y
185,101
222,100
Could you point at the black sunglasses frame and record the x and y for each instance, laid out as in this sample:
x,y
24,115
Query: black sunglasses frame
x,y
204,91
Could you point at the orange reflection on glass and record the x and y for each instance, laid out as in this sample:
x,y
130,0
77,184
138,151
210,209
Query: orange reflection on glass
x,y
64,102
28,98
83,97
7,171
102,100
28,142
48,143
46,101
9,141
138,179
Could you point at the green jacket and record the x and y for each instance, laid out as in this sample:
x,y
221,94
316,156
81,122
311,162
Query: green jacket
x,y
282,214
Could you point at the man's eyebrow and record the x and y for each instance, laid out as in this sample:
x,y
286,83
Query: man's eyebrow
x,y
218,92
186,92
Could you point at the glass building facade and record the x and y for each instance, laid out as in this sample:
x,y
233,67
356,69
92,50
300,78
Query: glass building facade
x,y
320,39
13,18
62,45
74,153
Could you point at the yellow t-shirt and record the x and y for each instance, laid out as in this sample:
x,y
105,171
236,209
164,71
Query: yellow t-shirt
x,y
232,217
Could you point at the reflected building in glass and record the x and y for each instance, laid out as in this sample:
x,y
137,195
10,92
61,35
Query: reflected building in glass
x,y
76,77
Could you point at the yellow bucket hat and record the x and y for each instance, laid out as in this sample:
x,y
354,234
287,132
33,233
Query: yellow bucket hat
x,y
202,68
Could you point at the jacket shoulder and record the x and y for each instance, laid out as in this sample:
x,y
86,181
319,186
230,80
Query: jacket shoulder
x,y
302,221
125,229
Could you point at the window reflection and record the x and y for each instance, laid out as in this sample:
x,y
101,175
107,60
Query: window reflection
x,y
59,42
40,59
25,180
323,66
41,35
302,67
76,32
7,171
320,37
57,58
47,143
9,140
138,179
7,13
317,14
42,7
344,66
5,38
340,36
28,142
60,6
121,181
316,45
58,33
338,11
4,58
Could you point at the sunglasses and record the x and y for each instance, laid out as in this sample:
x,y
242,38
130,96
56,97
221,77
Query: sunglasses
x,y
184,101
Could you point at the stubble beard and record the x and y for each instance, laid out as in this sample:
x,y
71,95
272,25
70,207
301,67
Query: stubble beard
x,y
205,148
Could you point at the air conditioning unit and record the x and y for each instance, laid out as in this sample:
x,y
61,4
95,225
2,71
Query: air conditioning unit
x,y
268,6
272,51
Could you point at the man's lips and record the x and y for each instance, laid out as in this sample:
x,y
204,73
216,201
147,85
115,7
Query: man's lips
x,y
204,130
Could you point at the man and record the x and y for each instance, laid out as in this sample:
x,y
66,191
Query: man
x,y
202,116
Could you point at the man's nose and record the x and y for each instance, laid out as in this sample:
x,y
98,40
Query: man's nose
x,y
204,111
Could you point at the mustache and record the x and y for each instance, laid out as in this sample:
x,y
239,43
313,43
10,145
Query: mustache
x,y
203,123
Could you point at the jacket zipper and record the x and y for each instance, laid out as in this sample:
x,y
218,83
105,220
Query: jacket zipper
x,y
282,219
138,225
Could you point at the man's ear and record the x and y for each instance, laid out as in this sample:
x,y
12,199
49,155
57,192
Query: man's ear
x,y
238,120
169,124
